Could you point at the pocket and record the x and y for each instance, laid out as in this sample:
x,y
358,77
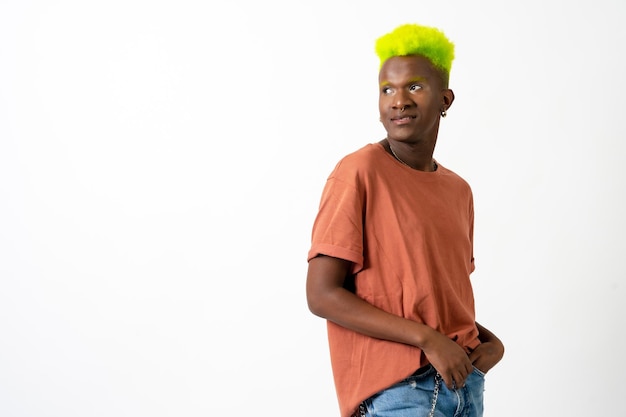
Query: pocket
x,y
479,372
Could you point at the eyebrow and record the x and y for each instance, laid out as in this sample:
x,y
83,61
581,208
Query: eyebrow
x,y
410,81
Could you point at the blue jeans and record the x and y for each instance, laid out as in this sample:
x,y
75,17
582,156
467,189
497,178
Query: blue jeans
x,y
414,397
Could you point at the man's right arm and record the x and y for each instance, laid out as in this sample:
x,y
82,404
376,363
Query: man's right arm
x,y
327,298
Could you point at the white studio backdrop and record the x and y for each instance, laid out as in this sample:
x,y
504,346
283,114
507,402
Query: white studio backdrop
x,y
161,164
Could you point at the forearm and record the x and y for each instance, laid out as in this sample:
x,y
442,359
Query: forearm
x,y
350,311
489,352
485,335
328,298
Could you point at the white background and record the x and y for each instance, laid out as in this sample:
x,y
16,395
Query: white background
x,y
161,164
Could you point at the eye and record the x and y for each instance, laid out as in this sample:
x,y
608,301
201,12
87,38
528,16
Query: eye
x,y
386,91
415,87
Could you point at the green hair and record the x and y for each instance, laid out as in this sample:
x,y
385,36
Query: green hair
x,y
413,39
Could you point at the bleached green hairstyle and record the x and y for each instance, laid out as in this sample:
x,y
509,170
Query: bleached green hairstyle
x,y
413,39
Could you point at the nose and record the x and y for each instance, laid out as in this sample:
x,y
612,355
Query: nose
x,y
401,101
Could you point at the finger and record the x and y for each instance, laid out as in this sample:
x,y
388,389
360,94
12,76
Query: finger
x,y
448,380
461,376
459,380
469,369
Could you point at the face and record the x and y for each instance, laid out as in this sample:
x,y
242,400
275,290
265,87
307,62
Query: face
x,y
412,96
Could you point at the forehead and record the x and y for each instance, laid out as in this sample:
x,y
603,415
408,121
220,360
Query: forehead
x,y
403,68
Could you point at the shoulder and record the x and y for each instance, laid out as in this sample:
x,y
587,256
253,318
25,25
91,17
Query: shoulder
x,y
359,162
453,179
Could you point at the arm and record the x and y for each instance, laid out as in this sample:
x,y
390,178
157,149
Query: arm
x,y
489,352
328,298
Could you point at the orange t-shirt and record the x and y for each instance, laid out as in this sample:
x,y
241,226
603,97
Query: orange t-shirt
x,y
409,236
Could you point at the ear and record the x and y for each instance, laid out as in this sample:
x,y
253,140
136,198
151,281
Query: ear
x,y
447,99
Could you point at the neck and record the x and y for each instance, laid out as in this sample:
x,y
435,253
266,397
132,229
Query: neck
x,y
411,155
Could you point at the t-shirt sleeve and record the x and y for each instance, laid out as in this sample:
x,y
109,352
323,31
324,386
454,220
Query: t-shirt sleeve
x,y
338,227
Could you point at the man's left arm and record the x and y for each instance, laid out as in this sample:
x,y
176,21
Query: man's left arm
x,y
489,352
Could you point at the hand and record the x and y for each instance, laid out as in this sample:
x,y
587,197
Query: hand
x,y
449,359
487,355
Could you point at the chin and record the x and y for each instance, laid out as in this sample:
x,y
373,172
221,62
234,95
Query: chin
x,y
400,136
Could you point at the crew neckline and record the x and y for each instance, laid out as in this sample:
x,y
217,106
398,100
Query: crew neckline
x,y
406,167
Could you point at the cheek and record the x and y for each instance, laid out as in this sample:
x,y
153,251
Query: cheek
x,y
382,105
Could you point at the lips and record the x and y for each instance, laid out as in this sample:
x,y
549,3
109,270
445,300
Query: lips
x,y
402,120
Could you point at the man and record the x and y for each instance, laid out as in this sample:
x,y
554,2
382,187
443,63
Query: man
x,y
392,252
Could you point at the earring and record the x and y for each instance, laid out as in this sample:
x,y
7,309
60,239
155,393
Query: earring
x,y
443,113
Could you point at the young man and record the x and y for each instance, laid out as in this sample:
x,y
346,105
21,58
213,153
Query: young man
x,y
392,253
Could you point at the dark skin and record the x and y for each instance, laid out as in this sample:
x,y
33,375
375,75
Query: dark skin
x,y
412,95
